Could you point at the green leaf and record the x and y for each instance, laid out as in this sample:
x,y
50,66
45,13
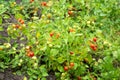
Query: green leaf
x,y
57,74
0,21
6,16
18,15
1,29
53,52
43,70
43,78
60,60
75,65
31,78
2,8
44,74
2,65
60,68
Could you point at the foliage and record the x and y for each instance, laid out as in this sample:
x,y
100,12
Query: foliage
x,y
50,35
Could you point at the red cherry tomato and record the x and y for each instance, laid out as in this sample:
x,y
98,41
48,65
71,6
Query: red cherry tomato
x,y
44,3
93,47
66,68
71,52
94,39
30,54
70,12
51,34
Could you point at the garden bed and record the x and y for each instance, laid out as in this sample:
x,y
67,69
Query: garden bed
x,y
59,40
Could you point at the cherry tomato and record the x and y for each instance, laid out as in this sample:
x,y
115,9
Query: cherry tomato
x,y
71,64
30,54
71,52
57,36
72,30
79,78
94,39
44,3
66,68
17,26
22,22
31,1
51,34
19,19
70,12
93,47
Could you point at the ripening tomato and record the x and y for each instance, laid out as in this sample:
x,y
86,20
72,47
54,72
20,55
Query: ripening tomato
x,y
71,30
79,78
66,68
92,45
1,48
20,27
94,48
44,3
71,52
71,64
31,1
17,26
94,39
58,35
22,22
19,20
94,78
51,34
70,13
30,54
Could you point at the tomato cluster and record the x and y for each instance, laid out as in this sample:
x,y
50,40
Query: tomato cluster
x,y
94,46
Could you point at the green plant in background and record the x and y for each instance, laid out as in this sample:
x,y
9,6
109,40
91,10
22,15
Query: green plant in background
x,y
69,39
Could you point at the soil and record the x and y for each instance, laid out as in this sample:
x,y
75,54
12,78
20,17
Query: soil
x,y
7,75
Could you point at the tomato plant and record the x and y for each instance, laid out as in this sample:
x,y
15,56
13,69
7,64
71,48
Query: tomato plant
x,y
67,39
